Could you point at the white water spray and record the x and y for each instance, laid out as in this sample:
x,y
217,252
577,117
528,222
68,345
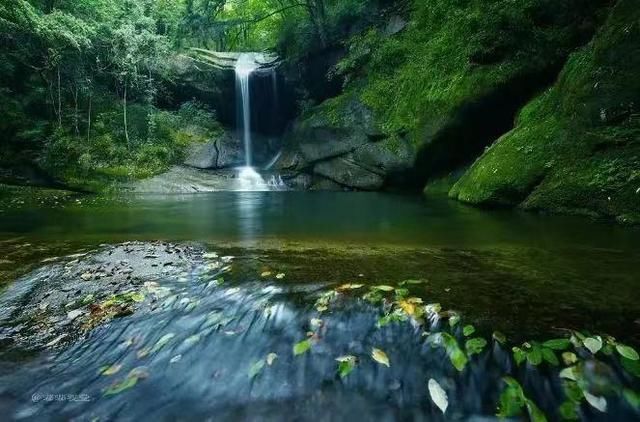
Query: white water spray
x,y
245,66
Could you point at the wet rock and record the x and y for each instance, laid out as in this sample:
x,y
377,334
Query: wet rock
x,y
74,314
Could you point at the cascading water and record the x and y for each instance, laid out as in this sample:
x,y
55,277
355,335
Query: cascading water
x,y
245,66
249,178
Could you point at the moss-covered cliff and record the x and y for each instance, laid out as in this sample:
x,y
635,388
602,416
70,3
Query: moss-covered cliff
x,y
451,80
576,148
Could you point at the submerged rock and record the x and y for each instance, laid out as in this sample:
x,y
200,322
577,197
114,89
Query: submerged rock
x,y
58,302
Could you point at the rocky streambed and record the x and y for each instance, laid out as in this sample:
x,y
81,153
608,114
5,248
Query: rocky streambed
x,y
68,296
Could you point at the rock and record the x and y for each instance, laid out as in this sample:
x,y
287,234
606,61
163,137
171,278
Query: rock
x,y
86,276
348,172
71,316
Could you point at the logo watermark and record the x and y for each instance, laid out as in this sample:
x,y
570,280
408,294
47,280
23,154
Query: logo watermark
x,y
44,397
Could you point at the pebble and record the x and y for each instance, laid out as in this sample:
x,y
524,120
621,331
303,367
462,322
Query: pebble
x,y
74,314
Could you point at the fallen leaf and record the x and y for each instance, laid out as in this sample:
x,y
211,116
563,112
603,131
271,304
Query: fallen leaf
x,y
280,276
266,274
468,330
380,357
346,364
438,395
384,288
256,368
301,347
271,357
569,358
110,370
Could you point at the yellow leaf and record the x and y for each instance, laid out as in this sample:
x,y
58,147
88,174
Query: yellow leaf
x,y
380,357
111,370
350,286
271,357
265,274
407,307
280,276
385,288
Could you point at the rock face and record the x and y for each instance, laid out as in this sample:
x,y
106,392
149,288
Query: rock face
x,y
576,148
227,151
325,150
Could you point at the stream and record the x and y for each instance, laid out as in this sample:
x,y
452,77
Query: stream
x,y
272,287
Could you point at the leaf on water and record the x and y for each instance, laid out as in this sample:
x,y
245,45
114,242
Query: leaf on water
x,y
349,286
137,297
256,368
632,398
321,308
162,342
593,344
519,355
458,359
499,337
557,344
569,373
468,330
599,403
569,358
549,356
407,307
534,355
475,345
627,352
315,323
265,274
280,276
535,414
380,357
401,293
110,370
346,364
271,357
121,386
454,320
414,281
384,288
438,395
301,347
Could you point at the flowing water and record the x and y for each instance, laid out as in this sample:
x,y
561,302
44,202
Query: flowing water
x,y
199,347
245,66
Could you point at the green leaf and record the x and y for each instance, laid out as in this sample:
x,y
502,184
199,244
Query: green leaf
x,y
468,330
162,342
549,356
569,358
301,347
632,398
535,414
570,373
380,357
110,370
121,386
475,345
256,368
346,364
458,359
519,355
534,355
627,352
569,411
384,288
512,399
499,337
454,320
438,395
557,344
593,344
137,297
631,366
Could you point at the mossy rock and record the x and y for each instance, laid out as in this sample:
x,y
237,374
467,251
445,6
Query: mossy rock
x,y
576,148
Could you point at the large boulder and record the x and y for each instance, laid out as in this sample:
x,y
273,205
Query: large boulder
x,y
339,141
227,151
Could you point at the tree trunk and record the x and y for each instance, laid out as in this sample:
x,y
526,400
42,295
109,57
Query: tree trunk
x,y
75,111
59,101
89,120
124,108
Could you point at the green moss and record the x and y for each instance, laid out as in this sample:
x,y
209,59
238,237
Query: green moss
x,y
576,148
456,52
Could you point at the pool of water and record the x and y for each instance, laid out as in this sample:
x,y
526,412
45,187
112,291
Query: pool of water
x,y
529,276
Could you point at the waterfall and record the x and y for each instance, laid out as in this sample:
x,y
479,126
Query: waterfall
x,y
245,66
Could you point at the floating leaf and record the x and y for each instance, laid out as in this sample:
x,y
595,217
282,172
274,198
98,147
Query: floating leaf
x,y
271,357
350,286
535,414
280,276
632,398
557,344
401,293
256,368
380,357
549,356
468,330
627,352
569,358
458,359
599,403
315,323
210,255
454,320
631,366
407,307
110,370
301,347
137,297
266,274
593,344
475,345
499,337
162,342
121,386
519,355
346,364
438,395
384,288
